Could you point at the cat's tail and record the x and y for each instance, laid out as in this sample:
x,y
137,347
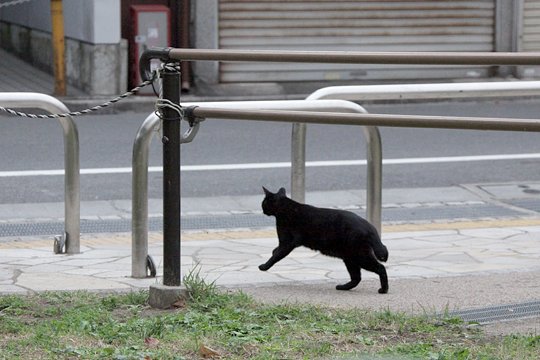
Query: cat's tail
x,y
380,251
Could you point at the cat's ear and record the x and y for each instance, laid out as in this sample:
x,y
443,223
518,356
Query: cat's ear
x,y
282,192
266,191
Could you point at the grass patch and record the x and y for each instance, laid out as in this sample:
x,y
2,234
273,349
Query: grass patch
x,y
82,325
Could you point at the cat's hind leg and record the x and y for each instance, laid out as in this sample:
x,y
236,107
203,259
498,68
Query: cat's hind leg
x,y
353,267
371,264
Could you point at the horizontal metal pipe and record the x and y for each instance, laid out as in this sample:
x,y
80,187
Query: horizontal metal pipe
x,y
331,105
428,91
418,121
355,57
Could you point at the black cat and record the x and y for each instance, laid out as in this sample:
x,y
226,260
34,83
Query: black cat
x,y
336,233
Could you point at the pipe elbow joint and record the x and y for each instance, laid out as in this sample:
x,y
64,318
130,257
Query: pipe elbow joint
x,y
147,56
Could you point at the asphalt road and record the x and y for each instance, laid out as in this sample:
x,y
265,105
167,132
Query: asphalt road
x,y
106,142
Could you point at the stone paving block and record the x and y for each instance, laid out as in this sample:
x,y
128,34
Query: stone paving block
x,y
139,284
408,244
187,261
86,262
529,229
63,282
417,234
51,268
263,241
340,275
216,261
229,268
225,256
447,239
248,249
459,257
412,253
103,253
493,233
237,277
30,261
27,253
303,253
117,274
87,272
428,264
126,261
111,266
304,275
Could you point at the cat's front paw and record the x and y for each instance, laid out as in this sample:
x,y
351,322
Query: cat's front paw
x,y
383,291
264,267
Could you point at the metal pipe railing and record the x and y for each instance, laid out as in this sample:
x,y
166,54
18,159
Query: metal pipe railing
x,y
348,57
218,110
357,57
428,91
140,165
72,209
417,121
139,195
394,92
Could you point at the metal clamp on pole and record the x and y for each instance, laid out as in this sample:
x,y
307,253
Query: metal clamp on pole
x,y
194,123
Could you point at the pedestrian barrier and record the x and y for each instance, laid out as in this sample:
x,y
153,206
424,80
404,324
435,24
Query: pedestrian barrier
x,y
140,259
172,112
392,92
68,242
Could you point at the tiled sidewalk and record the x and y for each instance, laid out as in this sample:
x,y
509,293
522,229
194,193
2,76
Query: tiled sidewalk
x,y
231,258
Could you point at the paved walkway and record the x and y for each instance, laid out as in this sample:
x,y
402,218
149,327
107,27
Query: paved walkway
x,y
440,260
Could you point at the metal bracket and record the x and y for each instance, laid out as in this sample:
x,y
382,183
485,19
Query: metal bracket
x,y
150,266
194,123
59,246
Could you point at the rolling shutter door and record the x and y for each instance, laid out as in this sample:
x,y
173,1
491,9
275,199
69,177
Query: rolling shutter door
x,y
394,25
530,40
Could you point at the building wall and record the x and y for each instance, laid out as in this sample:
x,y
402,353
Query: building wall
x,y
400,25
96,56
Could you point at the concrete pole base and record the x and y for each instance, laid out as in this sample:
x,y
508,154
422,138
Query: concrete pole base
x,y
163,297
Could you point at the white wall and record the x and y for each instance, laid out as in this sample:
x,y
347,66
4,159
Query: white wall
x,y
92,21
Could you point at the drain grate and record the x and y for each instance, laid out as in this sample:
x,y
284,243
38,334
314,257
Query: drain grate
x,y
499,313
250,220
124,225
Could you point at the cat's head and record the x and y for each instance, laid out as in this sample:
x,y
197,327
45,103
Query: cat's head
x,y
271,202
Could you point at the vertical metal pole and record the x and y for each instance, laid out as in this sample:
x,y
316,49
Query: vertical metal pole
x,y
374,176
57,21
298,163
171,179
139,196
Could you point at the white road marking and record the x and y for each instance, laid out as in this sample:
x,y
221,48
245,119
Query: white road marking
x,y
275,165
